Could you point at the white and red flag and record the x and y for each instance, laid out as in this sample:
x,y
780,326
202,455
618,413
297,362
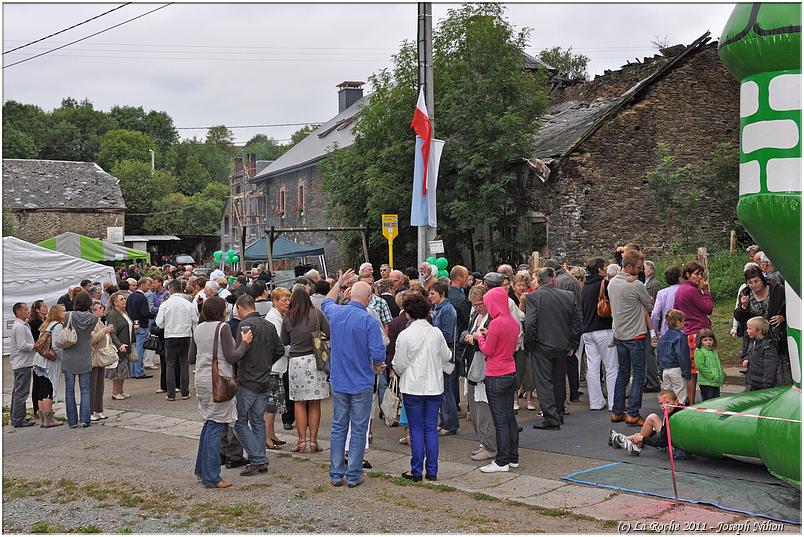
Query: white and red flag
x,y
425,169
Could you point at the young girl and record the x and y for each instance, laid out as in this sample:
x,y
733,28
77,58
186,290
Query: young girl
x,y
763,359
710,371
652,432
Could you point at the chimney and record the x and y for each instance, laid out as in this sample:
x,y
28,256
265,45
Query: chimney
x,y
251,163
238,164
349,92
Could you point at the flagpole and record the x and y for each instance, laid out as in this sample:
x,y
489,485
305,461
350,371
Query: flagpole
x,y
425,54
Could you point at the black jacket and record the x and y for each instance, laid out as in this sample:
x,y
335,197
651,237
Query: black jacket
x,y
589,296
138,309
254,364
463,309
762,363
553,319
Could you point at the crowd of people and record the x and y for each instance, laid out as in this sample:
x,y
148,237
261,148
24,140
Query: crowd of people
x,y
489,340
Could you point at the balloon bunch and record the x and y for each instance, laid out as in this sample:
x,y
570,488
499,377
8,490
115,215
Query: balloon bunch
x,y
441,264
231,257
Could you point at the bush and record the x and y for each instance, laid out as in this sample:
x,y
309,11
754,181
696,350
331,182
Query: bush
x,y
725,271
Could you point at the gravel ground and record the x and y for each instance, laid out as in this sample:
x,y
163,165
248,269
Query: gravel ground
x,y
111,480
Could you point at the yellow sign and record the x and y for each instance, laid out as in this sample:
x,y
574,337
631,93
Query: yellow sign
x,y
390,229
390,226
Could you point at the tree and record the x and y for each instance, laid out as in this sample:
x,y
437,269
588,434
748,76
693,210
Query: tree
x,y
17,144
673,197
194,177
157,125
300,134
567,64
265,148
120,145
89,125
199,213
221,137
661,42
141,190
486,107
26,119
9,226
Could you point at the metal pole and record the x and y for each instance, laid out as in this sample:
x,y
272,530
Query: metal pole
x,y
153,167
425,53
270,239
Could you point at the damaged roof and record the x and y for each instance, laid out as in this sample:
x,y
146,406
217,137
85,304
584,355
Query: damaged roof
x,y
57,184
568,124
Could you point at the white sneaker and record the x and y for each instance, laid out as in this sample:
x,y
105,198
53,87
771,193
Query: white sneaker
x,y
513,464
531,406
631,448
516,405
617,440
94,417
481,455
493,468
101,416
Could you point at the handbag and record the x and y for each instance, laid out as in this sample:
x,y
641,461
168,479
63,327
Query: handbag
x,y
44,344
321,347
603,304
153,343
223,388
391,403
107,355
68,336
477,371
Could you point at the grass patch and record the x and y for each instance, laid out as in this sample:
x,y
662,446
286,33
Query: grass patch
x,y
127,529
300,495
91,528
375,473
45,527
18,488
320,488
482,496
213,515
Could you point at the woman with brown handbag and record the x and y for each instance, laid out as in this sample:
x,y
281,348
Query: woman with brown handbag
x,y
100,339
213,342
49,371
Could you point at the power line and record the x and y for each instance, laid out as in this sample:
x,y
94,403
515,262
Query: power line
x,y
66,29
254,126
87,37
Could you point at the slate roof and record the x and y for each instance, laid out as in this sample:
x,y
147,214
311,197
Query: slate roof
x,y
568,124
57,184
314,147
533,63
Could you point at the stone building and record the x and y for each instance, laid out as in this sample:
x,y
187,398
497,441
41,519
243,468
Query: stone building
x,y
245,208
586,181
48,197
291,187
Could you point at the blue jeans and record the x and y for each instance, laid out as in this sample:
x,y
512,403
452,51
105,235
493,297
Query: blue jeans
x,y
136,369
382,385
422,414
250,407
500,393
208,460
69,397
346,408
630,356
449,409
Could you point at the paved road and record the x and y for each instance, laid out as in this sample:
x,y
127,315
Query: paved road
x,y
134,473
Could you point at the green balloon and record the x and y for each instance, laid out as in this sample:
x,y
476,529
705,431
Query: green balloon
x,y
441,263
236,259
431,260
443,274
230,253
231,280
217,256
219,253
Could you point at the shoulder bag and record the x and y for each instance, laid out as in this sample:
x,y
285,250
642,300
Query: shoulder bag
x,y
603,304
391,404
44,344
321,347
68,336
223,388
107,355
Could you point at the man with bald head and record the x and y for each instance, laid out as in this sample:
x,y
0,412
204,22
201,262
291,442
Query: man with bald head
x,y
398,278
358,353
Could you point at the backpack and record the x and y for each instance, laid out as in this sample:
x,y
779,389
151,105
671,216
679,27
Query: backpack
x,y
44,344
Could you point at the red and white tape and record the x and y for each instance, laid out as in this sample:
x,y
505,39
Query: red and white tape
x,y
730,413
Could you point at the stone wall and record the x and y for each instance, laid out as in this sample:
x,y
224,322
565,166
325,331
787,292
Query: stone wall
x,y
599,197
37,225
313,215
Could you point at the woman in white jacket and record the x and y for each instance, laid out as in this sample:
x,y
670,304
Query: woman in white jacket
x,y
421,359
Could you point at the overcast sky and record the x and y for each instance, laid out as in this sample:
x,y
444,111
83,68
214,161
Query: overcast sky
x,y
245,64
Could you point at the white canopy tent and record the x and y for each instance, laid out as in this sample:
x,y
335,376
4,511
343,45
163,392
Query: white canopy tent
x,y
31,272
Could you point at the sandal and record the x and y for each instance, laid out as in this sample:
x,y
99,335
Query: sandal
x,y
300,447
118,396
405,440
314,447
278,442
272,446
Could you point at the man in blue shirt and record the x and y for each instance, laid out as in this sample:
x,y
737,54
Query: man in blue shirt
x,y
445,319
357,355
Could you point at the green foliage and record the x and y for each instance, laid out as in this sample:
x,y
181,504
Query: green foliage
x,y
86,125
486,110
9,227
725,271
141,190
17,144
157,125
567,64
300,135
222,137
674,194
265,148
118,145
199,213
194,177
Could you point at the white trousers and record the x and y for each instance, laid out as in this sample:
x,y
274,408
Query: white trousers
x,y
672,380
597,351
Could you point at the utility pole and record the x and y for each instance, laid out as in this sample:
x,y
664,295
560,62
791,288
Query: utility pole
x,y
425,53
153,167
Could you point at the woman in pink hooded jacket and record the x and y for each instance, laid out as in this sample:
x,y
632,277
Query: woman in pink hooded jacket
x,y
498,343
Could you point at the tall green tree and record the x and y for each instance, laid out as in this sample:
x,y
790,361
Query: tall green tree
x,y
141,190
17,144
567,63
89,124
265,148
486,110
120,145
157,125
199,213
28,120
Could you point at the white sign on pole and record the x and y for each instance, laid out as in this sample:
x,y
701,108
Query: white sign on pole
x,y
436,247
114,234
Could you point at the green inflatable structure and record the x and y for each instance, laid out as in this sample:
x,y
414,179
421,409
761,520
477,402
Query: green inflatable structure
x,y
761,47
